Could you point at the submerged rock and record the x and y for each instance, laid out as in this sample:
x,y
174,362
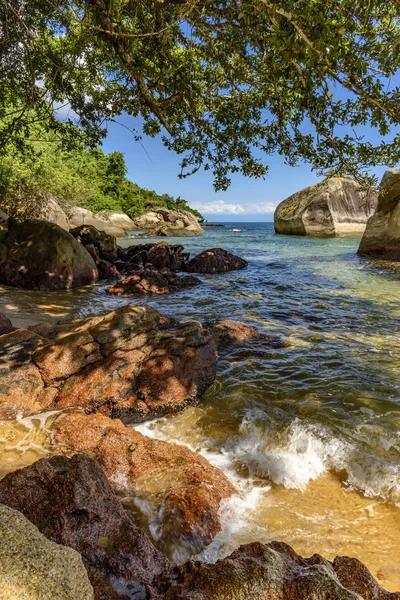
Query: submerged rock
x,y
336,206
147,281
178,489
35,568
38,255
382,235
233,333
167,222
215,260
5,324
130,363
72,503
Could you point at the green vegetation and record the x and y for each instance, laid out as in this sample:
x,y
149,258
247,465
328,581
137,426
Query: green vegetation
x,y
74,176
226,84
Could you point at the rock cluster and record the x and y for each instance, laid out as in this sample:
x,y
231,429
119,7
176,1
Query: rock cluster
x,y
215,260
336,206
148,281
382,235
171,223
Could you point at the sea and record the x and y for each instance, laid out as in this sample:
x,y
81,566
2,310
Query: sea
x,y
309,433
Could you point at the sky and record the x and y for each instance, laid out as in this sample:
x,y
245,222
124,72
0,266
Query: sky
x,y
154,167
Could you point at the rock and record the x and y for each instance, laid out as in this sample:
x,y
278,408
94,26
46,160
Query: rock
x,y
270,572
235,333
40,205
5,324
107,270
131,364
81,216
147,281
118,220
355,576
5,223
178,490
51,211
336,206
159,256
163,221
35,568
382,235
215,260
72,503
105,245
42,256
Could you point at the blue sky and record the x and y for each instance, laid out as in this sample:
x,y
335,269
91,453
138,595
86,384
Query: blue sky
x,y
154,167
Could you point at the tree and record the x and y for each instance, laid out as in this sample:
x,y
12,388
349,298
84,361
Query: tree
x,y
226,83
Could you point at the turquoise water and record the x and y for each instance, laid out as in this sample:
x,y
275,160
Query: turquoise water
x,y
309,433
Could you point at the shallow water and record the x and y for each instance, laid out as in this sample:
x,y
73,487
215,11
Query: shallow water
x,y
309,433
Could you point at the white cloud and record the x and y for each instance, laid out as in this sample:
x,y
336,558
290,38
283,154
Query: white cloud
x,y
219,207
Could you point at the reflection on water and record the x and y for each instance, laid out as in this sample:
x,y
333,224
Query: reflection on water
x,y
310,433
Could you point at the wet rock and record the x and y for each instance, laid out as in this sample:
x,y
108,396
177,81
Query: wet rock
x,y
148,281
215,260
35,568
72,503
235,333
5,324
131,364
382,235
268,572
355,576
336,206
98,243
161,256
107,270
178,489
41,256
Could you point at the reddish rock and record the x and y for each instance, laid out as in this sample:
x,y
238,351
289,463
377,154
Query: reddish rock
x,y
215,260
272,572
107,270
99,243
355,576
147,281
5,324
72,503
237,333
131,364
157,473
39,255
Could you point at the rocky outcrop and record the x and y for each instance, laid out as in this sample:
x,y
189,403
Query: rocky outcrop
x,y
165,222
178,490
215,260
275,572
78,216
35,568
382,235
99,244
40,255
159,256
336,206
148,281
51,211
117,220
131,364
72,503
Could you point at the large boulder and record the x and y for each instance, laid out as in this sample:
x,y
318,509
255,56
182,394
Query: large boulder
x,y
51,211
35,568
275,572
131,364
115,224
39,255
336,206
147,281
215,260
177,490
72,503
99,244
382,235
160,256
165,222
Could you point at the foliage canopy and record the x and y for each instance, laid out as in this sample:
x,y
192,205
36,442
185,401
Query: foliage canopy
x,y
225,82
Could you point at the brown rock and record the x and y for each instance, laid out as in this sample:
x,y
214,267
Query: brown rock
x,y
72,503
151,282
156,473
107,270
42,256
270,572
131,364
215,260
99,243
5,324
355,576
237,333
